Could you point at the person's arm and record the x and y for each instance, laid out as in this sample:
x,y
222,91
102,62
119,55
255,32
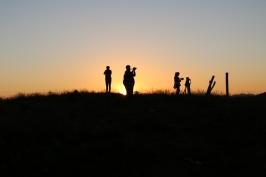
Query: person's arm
x,y
134,73
178,79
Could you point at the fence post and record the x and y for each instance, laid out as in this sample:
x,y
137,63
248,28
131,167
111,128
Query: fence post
x,y
227,92
210,87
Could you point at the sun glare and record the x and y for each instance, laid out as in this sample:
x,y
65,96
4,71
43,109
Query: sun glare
x,y
123,92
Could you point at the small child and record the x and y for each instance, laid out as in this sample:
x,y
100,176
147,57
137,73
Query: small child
x,y
187,85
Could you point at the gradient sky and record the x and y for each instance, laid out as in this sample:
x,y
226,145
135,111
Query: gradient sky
x,y
57,45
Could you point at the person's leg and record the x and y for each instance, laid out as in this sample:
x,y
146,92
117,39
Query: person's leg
x,y
110,85
127,90
106,85
188,89
177,90
131,93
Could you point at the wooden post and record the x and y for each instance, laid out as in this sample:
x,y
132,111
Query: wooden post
x,y
227,92
210,87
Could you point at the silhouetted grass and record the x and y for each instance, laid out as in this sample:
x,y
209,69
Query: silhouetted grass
x,y
82,133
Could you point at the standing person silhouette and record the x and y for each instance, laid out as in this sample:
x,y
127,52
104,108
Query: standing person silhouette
x,y
187,85
177,81
129,80
108,79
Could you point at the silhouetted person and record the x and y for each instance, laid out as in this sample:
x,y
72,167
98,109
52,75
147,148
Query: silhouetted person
x,y
129,80
187,85
108,79
177,83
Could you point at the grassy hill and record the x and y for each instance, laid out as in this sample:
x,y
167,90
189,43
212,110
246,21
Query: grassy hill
x,y
98,134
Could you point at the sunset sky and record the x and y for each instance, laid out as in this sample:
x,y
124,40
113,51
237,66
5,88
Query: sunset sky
x,y
58,45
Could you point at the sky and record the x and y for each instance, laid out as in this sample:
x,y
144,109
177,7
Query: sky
x,y
62,45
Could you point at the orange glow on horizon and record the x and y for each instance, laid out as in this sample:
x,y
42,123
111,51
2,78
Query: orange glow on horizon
x,y
123,92
150,76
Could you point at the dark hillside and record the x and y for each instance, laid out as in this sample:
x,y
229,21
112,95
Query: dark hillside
x,y
262,95
96,134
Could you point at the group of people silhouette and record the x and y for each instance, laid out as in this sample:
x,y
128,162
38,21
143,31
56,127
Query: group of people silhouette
x,y
177,83
129,81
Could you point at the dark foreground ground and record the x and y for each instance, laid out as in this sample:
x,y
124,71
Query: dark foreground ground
x,y
156,135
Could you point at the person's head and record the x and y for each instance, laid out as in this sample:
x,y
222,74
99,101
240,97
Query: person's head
x,y
107,67
187,78
128,67
177,74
